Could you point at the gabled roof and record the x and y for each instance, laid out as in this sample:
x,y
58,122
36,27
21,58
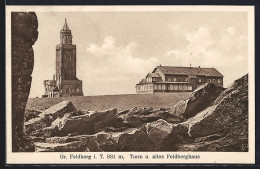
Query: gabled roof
x,y
143,81
153,75
197,71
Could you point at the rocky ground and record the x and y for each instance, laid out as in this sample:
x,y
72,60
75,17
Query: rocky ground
x,y
210,119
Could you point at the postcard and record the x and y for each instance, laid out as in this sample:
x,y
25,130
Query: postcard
x,y
130,85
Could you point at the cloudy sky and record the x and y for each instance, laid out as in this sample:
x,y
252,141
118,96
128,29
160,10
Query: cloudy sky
x,y
115,50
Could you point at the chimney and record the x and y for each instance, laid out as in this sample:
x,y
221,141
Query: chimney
x,y
54,77
160,65
199,68
190,65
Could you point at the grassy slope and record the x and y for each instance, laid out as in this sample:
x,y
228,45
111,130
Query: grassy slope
x,y
121,102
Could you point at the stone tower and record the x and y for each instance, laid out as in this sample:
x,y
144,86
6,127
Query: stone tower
x,y
65,56
65,81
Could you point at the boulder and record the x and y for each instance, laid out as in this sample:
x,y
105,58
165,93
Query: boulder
x,y
158,132
137,117
227,118
228,114
201,98
85,124
58,110
49,115
150,137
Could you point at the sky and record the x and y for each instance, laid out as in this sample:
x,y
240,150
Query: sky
x,y
115,50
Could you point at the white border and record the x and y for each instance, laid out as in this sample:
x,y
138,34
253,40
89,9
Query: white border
x,y
205,157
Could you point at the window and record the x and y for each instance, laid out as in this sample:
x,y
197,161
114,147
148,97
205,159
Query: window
x,y
163,87
149,79
189,87
219,80
171,86
186,79
175,79
179,79
209,80
155,87
199,79
175,87
185,87
159,87
180,87
168,79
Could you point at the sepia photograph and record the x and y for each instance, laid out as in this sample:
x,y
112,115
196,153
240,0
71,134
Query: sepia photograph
x,y
140,84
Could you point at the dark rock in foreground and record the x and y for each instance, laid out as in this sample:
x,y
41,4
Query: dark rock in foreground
x,y
24,33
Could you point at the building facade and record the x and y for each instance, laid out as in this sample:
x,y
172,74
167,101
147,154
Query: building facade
x,y
178,79
65,82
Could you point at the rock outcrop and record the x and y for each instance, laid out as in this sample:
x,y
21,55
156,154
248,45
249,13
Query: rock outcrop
x,y
89,123
221,124
137,118
24,34
202,97
227,117
45,118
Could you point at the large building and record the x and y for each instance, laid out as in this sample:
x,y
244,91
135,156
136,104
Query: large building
x,y
65,82
178,79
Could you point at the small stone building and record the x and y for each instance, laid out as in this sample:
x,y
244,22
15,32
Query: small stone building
x,y
178,79
65,82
